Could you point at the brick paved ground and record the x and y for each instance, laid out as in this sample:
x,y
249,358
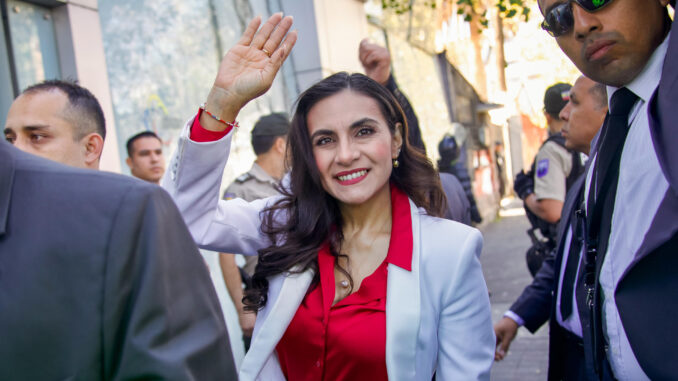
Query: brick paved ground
x,y
503,261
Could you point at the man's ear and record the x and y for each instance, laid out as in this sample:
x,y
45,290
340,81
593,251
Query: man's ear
x,y
397,143
93,145
128,161
280,144
549,118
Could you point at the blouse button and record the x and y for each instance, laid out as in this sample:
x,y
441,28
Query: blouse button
x,y
317,364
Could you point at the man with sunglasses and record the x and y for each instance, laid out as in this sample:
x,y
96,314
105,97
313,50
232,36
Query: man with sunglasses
x,y
627,286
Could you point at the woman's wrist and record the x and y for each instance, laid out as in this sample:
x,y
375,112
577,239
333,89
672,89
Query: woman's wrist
x,y
222,106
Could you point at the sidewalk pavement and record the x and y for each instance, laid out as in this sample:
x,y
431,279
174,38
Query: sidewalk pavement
x,y
506,274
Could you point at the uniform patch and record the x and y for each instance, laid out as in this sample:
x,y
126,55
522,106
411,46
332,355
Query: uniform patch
x,y
229,196
542,167
244,177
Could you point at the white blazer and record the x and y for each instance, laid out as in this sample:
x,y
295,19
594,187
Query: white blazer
x,y
437,315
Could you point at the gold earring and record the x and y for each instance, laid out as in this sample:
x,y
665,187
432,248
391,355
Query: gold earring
x,y
395,163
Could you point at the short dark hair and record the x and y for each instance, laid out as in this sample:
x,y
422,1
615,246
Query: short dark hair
x,y
599,93
263,143
267,129
142,134
555,99
85,110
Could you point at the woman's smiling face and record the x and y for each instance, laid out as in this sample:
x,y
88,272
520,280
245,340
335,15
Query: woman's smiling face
x,y
353,146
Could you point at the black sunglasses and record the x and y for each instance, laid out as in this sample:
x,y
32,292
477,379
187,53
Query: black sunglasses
x,y
560,20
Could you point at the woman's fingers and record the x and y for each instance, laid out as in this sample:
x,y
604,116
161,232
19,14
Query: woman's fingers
x,y
265,32
248,34
284,50
280,31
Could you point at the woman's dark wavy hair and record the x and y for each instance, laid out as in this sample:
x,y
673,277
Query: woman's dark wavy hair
x,y
313,215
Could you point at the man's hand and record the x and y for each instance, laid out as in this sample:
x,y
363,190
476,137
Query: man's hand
x,y
248,68
523,184
505,330
376,61
246,320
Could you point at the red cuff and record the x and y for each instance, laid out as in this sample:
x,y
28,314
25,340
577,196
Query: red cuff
x,y
201,135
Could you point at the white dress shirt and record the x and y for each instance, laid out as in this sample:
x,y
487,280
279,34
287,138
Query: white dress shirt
x,y
640,189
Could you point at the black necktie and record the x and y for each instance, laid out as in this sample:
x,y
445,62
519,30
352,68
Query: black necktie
x,y
602,191
613,135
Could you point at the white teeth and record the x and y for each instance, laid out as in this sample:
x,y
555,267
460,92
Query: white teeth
x,y
353,175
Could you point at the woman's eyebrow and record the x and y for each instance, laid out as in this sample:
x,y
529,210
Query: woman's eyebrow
x,y
361,122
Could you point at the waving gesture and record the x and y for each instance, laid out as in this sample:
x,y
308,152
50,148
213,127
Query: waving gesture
x,y
248,69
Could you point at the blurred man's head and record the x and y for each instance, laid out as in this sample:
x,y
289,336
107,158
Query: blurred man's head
x,y
555,98
584,114
60,121
269,141
610,41
448,148
144,156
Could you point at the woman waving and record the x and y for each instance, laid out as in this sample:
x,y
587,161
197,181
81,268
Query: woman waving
x,y
358,278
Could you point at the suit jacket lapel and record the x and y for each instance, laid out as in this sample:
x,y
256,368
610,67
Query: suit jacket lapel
x,y
274,320
663,115
6,182
403,309
663,227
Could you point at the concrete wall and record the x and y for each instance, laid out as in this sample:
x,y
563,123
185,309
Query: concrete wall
x,y
329,36
81,54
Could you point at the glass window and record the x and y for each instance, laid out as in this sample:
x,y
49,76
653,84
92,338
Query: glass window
x,y
33,43
6,91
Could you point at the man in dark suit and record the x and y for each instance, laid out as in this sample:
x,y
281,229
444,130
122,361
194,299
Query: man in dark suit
x,y
100,279
627,284
583,115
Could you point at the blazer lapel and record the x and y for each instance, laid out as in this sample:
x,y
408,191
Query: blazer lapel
x,y
403,309
274,320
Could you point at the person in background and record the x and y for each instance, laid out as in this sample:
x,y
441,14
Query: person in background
x,y
144,157
583,115
269,141
60,121
500,165
451,162
553,171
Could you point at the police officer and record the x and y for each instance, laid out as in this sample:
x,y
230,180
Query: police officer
x,y
543,189
269,141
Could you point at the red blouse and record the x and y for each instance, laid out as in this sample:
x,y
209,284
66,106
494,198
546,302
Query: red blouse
x,y
346,341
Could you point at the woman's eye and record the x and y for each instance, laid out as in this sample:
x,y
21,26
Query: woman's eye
x,y
365,131
323,141
37,138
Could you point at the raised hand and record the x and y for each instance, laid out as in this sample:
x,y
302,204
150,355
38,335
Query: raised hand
x,y
376,61
248,68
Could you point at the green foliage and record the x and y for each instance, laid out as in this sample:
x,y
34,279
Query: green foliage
x,y
508,9
404,6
